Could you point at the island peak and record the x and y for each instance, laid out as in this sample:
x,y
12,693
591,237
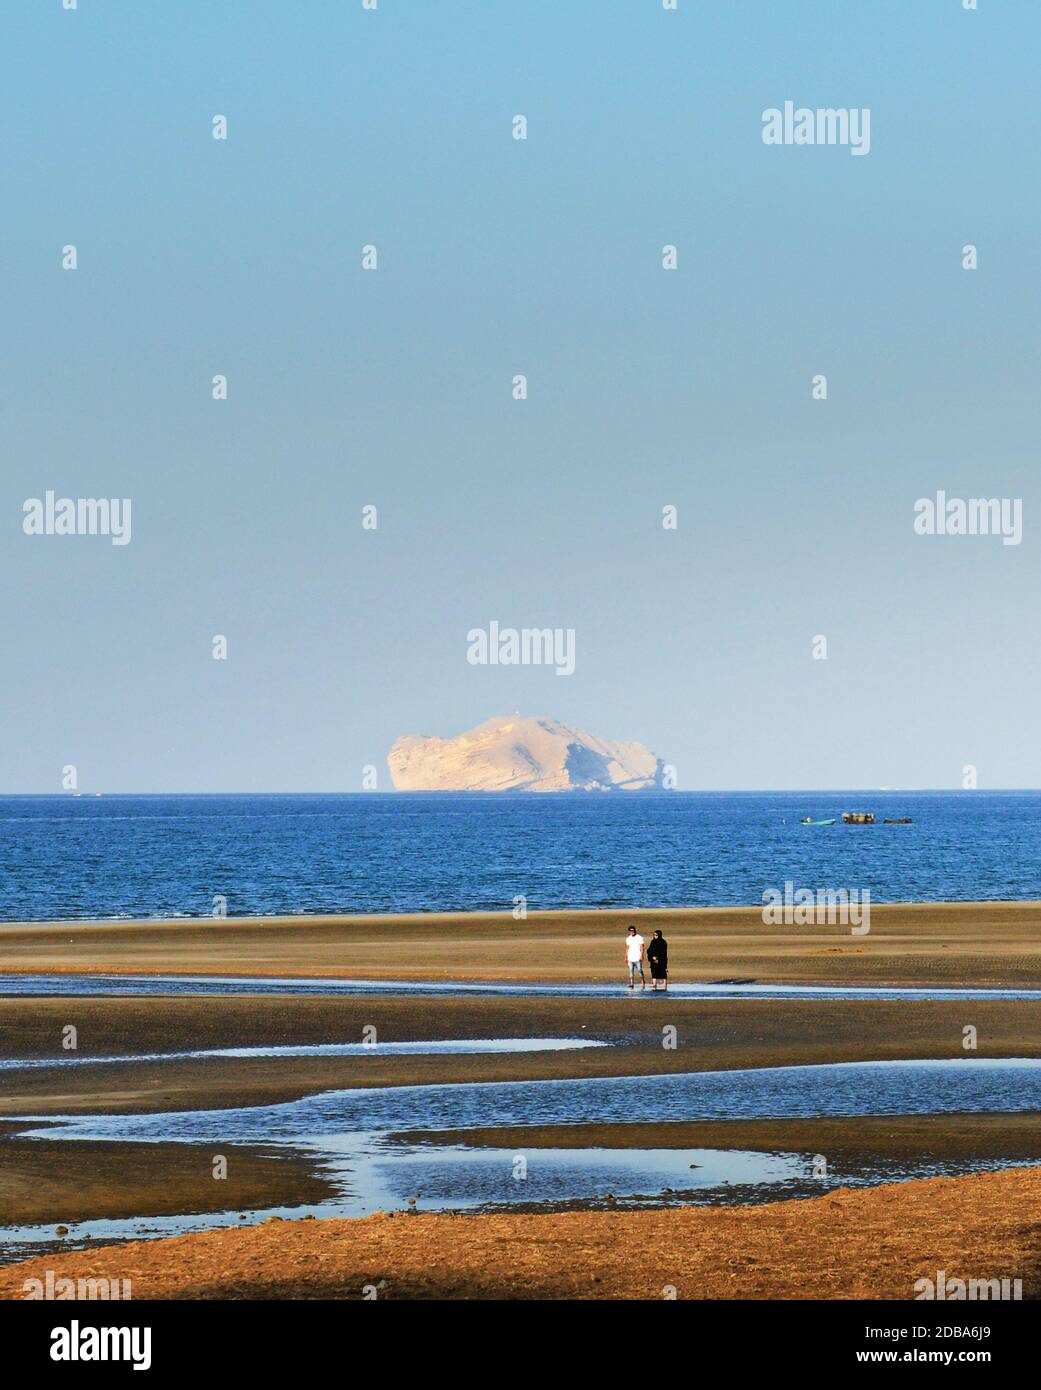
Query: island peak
x,y
515,753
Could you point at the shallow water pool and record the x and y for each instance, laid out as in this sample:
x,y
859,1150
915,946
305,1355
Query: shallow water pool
x,y
360,1139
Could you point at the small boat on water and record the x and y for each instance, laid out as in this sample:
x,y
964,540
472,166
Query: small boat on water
x,y
898,820
808,820
858,818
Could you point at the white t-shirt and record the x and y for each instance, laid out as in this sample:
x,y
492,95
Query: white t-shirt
x,y
633,947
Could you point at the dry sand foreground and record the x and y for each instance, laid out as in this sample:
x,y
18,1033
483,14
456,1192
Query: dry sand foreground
x,y
867,1244
925,943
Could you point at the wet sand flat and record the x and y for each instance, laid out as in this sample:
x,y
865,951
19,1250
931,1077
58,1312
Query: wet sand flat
x,y
710,1035
845,1244
48,1180
873,1243
1015,1137
917,944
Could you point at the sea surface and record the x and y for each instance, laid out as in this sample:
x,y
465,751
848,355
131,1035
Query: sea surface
x,y
81,857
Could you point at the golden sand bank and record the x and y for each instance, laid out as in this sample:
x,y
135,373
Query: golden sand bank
x,y
922,943
874,1243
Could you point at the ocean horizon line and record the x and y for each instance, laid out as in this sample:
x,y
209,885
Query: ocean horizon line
x,y
570,795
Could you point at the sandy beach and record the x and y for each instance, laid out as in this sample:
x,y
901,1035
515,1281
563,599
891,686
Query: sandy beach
x,y
924,943
519,772
834,1241
869,1244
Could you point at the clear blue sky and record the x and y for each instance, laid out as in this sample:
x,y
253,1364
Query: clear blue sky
x,y
647,387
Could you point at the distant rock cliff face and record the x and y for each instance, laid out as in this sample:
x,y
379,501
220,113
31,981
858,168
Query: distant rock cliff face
x,y
521,755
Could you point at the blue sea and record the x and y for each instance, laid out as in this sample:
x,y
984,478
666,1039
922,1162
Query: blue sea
x,y
171,856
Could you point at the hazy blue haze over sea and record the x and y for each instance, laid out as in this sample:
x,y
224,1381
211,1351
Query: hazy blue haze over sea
x,y
143,856
646,388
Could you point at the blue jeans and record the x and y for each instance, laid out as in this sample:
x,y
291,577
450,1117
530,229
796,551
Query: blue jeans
x,y
635,965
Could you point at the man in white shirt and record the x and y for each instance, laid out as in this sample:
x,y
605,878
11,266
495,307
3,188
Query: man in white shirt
x,y
634,957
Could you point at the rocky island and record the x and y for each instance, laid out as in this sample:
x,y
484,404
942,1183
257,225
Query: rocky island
x,y
517,753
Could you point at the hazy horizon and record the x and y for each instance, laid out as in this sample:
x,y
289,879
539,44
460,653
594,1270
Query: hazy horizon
x,y
576,793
